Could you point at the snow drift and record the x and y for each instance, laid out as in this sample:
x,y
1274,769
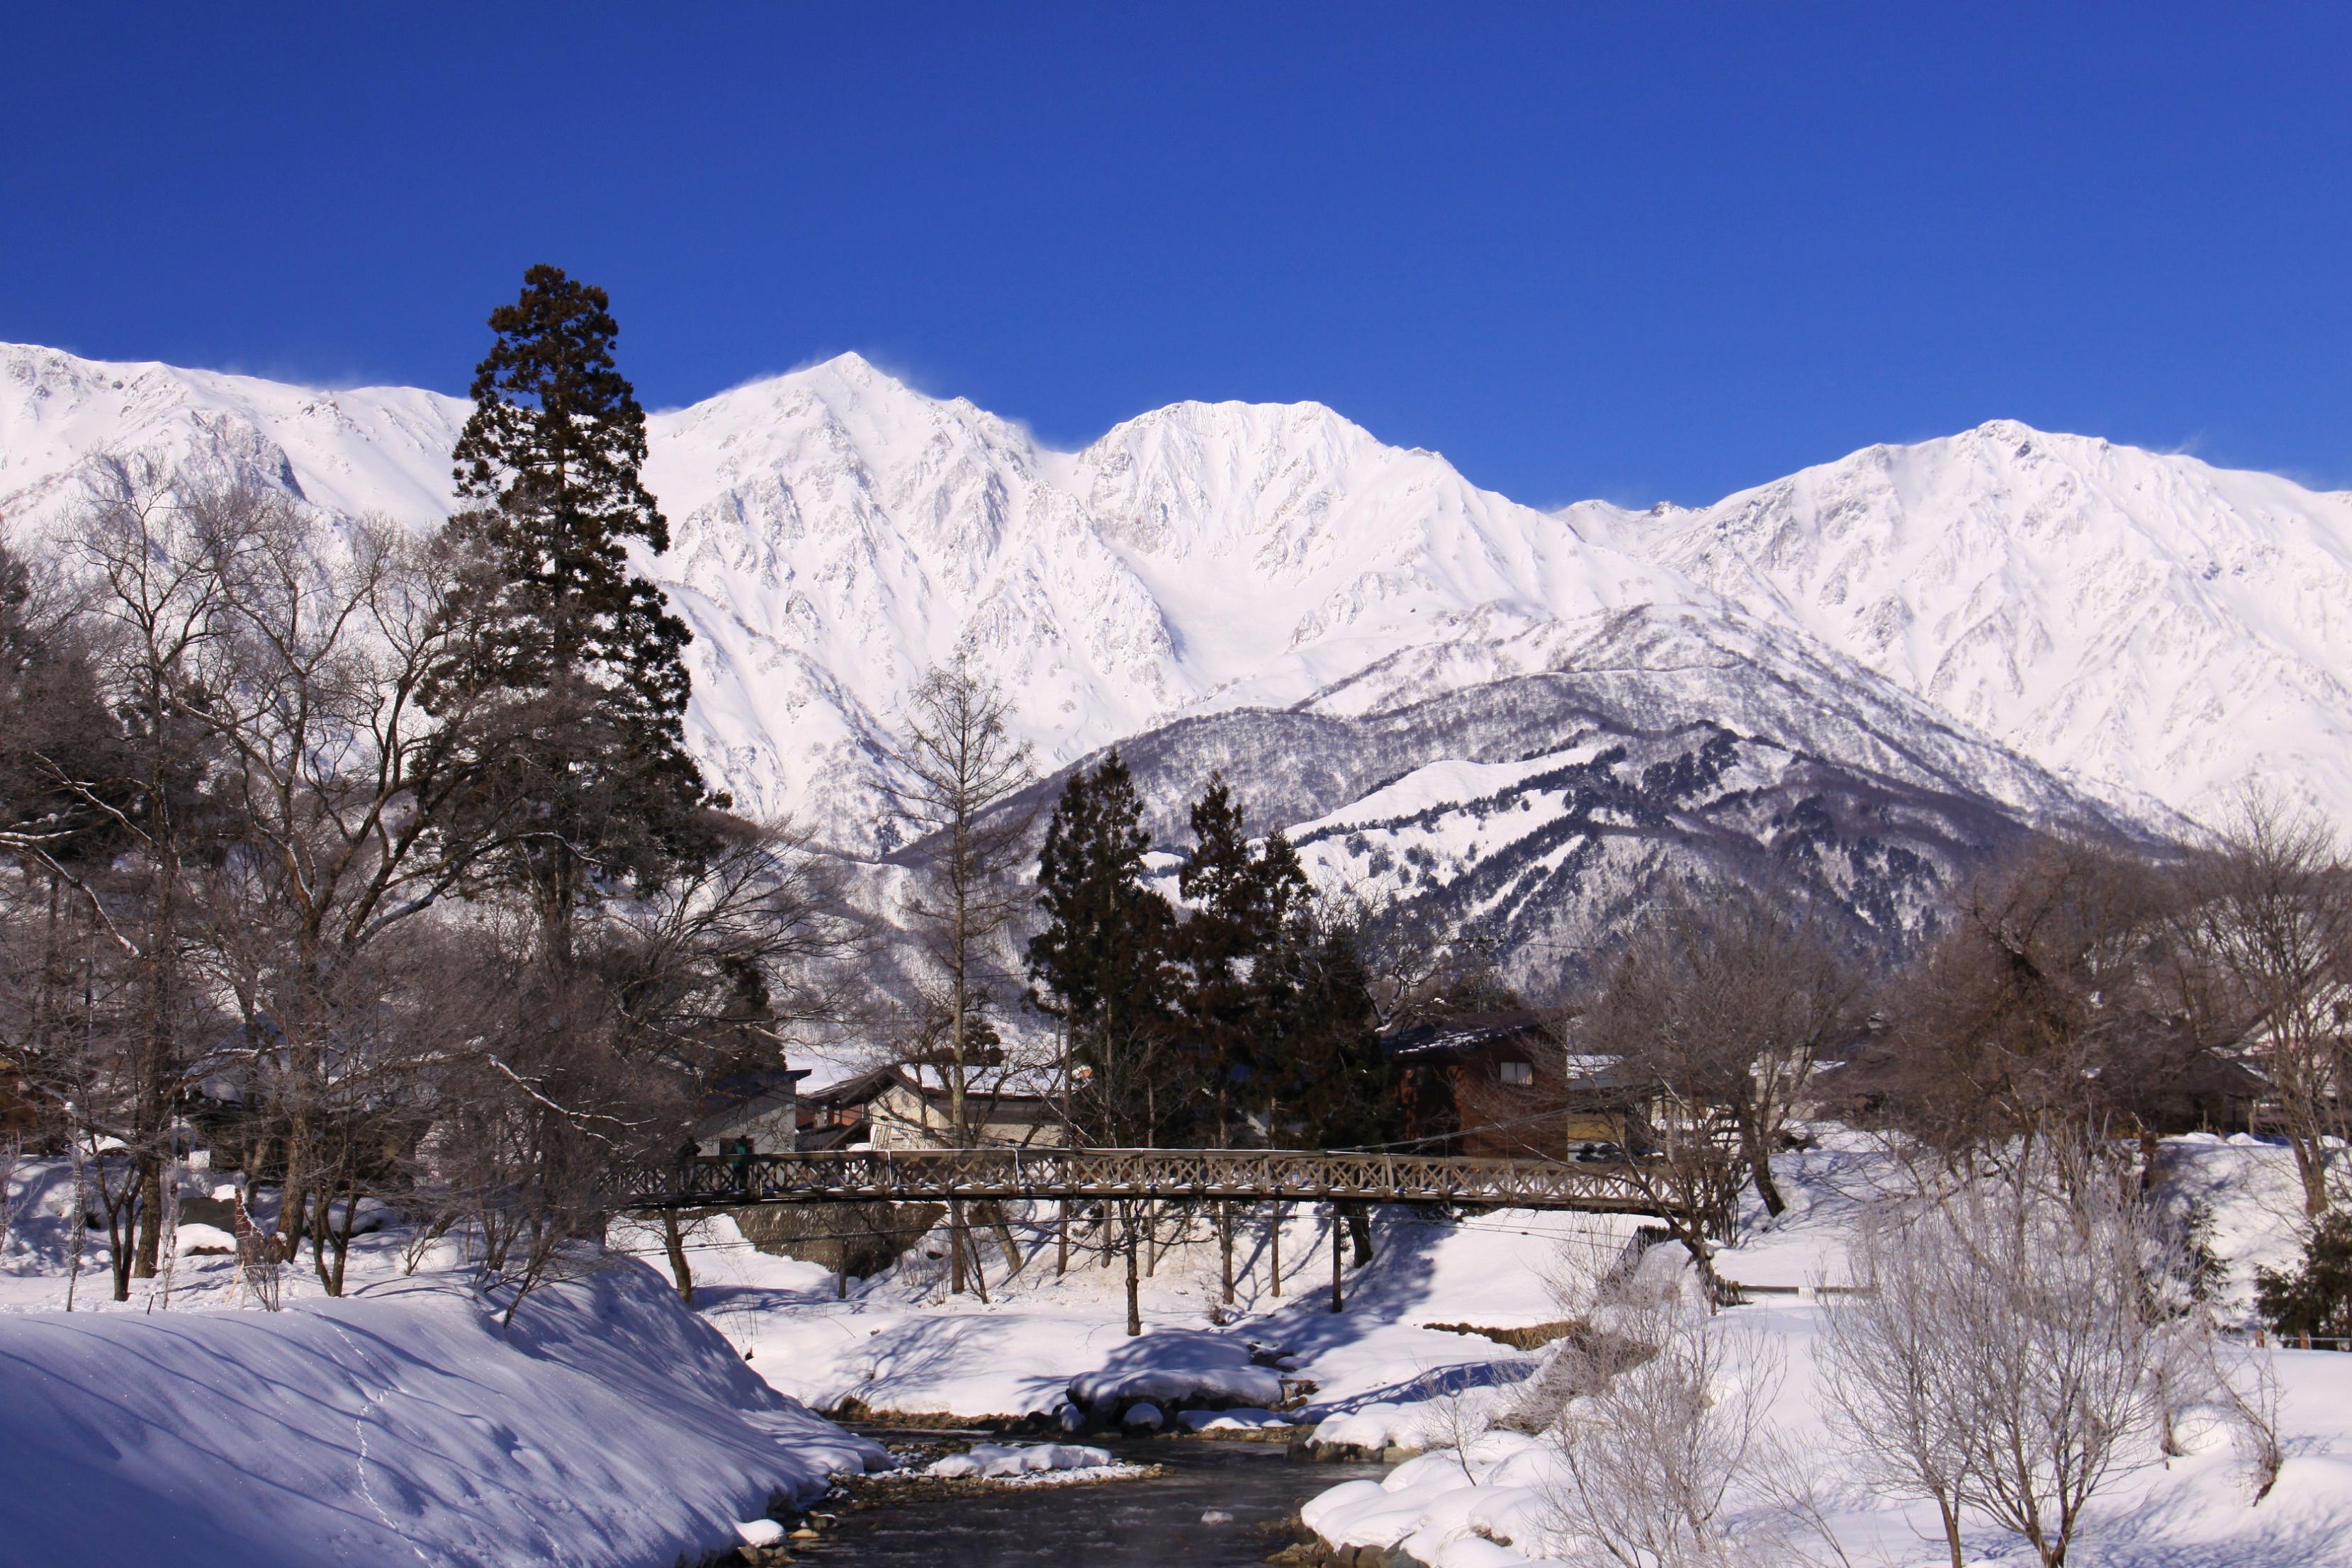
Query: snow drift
x,y
610,1425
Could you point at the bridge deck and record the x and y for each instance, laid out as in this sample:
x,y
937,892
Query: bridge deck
x,y
1250,1174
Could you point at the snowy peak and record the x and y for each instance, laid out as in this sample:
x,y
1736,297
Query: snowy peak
x,y
2148,626
2142,621
1256,479
381,449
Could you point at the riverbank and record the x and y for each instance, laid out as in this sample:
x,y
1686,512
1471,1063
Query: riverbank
x,y
607,1428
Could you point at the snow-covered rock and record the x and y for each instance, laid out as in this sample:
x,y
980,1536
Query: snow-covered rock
x,y
1005,1459
1238,1420
191,1239
1188,1370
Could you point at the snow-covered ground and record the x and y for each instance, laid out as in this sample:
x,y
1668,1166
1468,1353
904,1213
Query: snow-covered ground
x,y
1490,1498
1384,1377
608,1425
900,1343
612,1426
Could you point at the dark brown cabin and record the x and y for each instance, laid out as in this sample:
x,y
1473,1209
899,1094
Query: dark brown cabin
x,y
1500,1085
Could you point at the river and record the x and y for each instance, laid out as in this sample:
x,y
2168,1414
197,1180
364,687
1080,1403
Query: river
x,y
1156,1520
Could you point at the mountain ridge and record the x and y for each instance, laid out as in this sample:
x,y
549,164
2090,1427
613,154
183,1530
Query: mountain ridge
x,y
2028,606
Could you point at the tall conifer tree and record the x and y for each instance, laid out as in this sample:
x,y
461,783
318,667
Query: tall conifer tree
x,y
1245,896
567,692
1100,964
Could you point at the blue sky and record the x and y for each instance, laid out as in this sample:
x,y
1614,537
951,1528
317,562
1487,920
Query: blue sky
x,y
1627,251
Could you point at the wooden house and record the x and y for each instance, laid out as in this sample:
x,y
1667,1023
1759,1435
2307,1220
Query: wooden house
x,y
908,1106
1500,1085
758,1109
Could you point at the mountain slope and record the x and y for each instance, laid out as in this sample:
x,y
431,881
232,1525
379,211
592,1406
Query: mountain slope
x,y
1965,617
2147,624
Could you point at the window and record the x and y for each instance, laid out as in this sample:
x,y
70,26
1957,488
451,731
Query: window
x,y
1519,1074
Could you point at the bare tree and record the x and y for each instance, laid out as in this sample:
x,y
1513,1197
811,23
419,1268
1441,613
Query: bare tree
x,y
956,765
2274,912
2057,1011
2007,1359
1725,999
1895,1373
1422,962
1672,1419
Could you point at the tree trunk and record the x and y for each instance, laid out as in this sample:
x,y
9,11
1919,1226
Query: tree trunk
x,y
1338,1305
1134,1310
978,1275
1274,1249
1759,1166
1359,1231
2311,1165
674,1243
150,1213
120,1227
1952,1516
1005,1244
955,1247
1225,1247
1062,1242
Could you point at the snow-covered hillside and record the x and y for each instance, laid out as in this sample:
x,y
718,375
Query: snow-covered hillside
x,y
1988,608
2142,621
606,1426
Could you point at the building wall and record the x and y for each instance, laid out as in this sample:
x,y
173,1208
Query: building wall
x,y
902,1119
771,1124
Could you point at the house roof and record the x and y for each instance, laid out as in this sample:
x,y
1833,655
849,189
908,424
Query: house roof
x,y
1464,1033
994,1085
740,1090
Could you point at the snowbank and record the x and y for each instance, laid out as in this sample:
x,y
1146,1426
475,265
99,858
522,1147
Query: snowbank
x,y
1493,1492
609,1426
1180,1370
1005,1459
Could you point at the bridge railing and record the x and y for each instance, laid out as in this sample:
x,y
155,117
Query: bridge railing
x,y
1253,1175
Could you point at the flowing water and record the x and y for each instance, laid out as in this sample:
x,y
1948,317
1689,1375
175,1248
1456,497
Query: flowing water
x,y
1156,1520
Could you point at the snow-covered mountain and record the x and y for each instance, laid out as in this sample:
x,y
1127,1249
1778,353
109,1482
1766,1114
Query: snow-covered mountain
x,y
2145,623
2006,616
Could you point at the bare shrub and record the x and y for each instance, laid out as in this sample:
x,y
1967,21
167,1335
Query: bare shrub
x,y
1650,1458
2003,1355
1894,1374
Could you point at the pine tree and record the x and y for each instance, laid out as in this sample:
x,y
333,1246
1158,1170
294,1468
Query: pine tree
x,y
1328,1081
1333,1074
1100,964
1244,896
565,700
2314,1298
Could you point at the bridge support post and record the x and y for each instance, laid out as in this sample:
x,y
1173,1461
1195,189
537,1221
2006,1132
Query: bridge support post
x,y
1134,1313
1274,1246
1225,1245
1336,1304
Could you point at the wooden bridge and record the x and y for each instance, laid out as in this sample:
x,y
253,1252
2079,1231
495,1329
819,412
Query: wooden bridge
x,y
1261,1175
